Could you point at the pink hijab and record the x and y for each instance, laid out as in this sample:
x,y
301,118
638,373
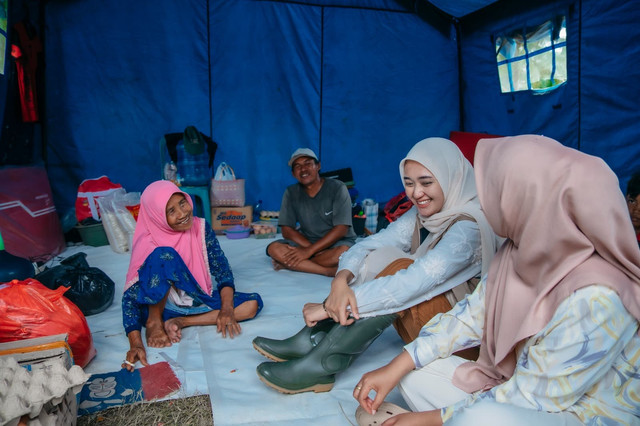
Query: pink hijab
x,y
567,226
152,230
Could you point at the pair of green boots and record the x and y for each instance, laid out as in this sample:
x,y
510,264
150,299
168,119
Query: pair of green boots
x,y
310,359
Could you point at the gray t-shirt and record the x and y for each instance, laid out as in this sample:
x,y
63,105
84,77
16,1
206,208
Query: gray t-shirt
x,y
318,215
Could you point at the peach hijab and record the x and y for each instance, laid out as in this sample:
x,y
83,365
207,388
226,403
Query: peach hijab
x,y
567,226
152,230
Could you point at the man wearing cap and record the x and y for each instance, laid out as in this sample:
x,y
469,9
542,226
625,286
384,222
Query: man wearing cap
x,y
322,208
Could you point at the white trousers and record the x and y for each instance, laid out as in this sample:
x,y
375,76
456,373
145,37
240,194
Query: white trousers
x,y
431,388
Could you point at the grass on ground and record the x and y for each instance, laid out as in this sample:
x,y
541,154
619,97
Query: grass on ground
x,y
194,410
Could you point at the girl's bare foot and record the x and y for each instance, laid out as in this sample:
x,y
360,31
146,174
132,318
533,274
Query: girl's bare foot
x,y
156,336
173,328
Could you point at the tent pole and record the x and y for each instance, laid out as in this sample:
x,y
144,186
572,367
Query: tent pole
x,y
456,26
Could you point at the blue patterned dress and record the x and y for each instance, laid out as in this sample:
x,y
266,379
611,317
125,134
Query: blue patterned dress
x,y
163,268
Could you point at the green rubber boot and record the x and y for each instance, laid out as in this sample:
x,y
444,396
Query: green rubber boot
x,y
316,371
295,346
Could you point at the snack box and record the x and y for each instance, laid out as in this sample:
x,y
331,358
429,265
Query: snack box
x,y
223,218
264,229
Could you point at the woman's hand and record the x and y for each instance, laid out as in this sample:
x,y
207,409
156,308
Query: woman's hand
x,y
313,312
382,381
136,351
135,354
226,322
340,297
424,418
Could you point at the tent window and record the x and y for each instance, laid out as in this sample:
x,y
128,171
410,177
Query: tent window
x,y
533,59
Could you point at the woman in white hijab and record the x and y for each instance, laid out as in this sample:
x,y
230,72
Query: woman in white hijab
x,y
557,315
443,242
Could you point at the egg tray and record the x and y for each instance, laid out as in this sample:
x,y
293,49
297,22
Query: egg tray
x,y
264,229
39,386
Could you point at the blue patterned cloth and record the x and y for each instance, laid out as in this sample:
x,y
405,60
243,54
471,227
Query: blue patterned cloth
x,y
163,268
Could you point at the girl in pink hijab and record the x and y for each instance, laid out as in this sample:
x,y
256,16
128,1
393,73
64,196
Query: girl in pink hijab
x,y
178,276
556,317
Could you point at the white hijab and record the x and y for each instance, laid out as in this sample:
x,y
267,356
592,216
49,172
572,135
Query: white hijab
x,y
455,176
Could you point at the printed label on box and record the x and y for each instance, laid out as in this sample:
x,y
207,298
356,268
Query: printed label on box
x,y
226,217
230,217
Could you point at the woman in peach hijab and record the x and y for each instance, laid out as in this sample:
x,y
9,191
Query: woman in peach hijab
x,y
556,316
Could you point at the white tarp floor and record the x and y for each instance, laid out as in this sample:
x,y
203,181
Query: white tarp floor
x,y
226,368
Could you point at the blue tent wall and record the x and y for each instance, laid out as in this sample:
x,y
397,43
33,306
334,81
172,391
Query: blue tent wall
x,y
596,111
265,73
334,79
262,77
386,86
610,84
358,81
120,75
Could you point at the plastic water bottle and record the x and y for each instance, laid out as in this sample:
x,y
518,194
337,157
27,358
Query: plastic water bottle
x,y
257,207
171,172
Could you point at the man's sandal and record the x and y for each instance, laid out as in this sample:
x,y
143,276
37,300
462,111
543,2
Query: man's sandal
x,y
384,412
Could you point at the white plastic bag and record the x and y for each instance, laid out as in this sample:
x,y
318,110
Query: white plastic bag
x,y
371,211
224,172
119,223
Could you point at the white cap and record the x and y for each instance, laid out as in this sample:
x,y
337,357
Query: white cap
x,y
302,152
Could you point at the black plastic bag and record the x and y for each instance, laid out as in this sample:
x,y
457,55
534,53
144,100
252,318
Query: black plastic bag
x,y
90,289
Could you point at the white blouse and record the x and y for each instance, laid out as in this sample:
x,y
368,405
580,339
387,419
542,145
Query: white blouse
x,y
455,259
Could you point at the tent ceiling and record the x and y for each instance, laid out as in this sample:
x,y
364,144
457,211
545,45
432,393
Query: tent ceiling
x,y
460,8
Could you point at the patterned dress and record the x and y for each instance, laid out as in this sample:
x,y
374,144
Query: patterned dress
x,y
456,258
163,268
585,361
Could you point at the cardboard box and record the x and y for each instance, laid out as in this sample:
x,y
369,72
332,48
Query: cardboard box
x,y
39,352
226,217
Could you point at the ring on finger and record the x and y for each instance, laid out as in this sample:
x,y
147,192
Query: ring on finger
x,y
358,387
129,363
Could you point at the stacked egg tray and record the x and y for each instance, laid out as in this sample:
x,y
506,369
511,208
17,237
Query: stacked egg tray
x,y
39,383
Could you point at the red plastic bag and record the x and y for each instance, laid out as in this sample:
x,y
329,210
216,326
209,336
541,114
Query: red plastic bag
x,y
397,206
28,309
88,191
